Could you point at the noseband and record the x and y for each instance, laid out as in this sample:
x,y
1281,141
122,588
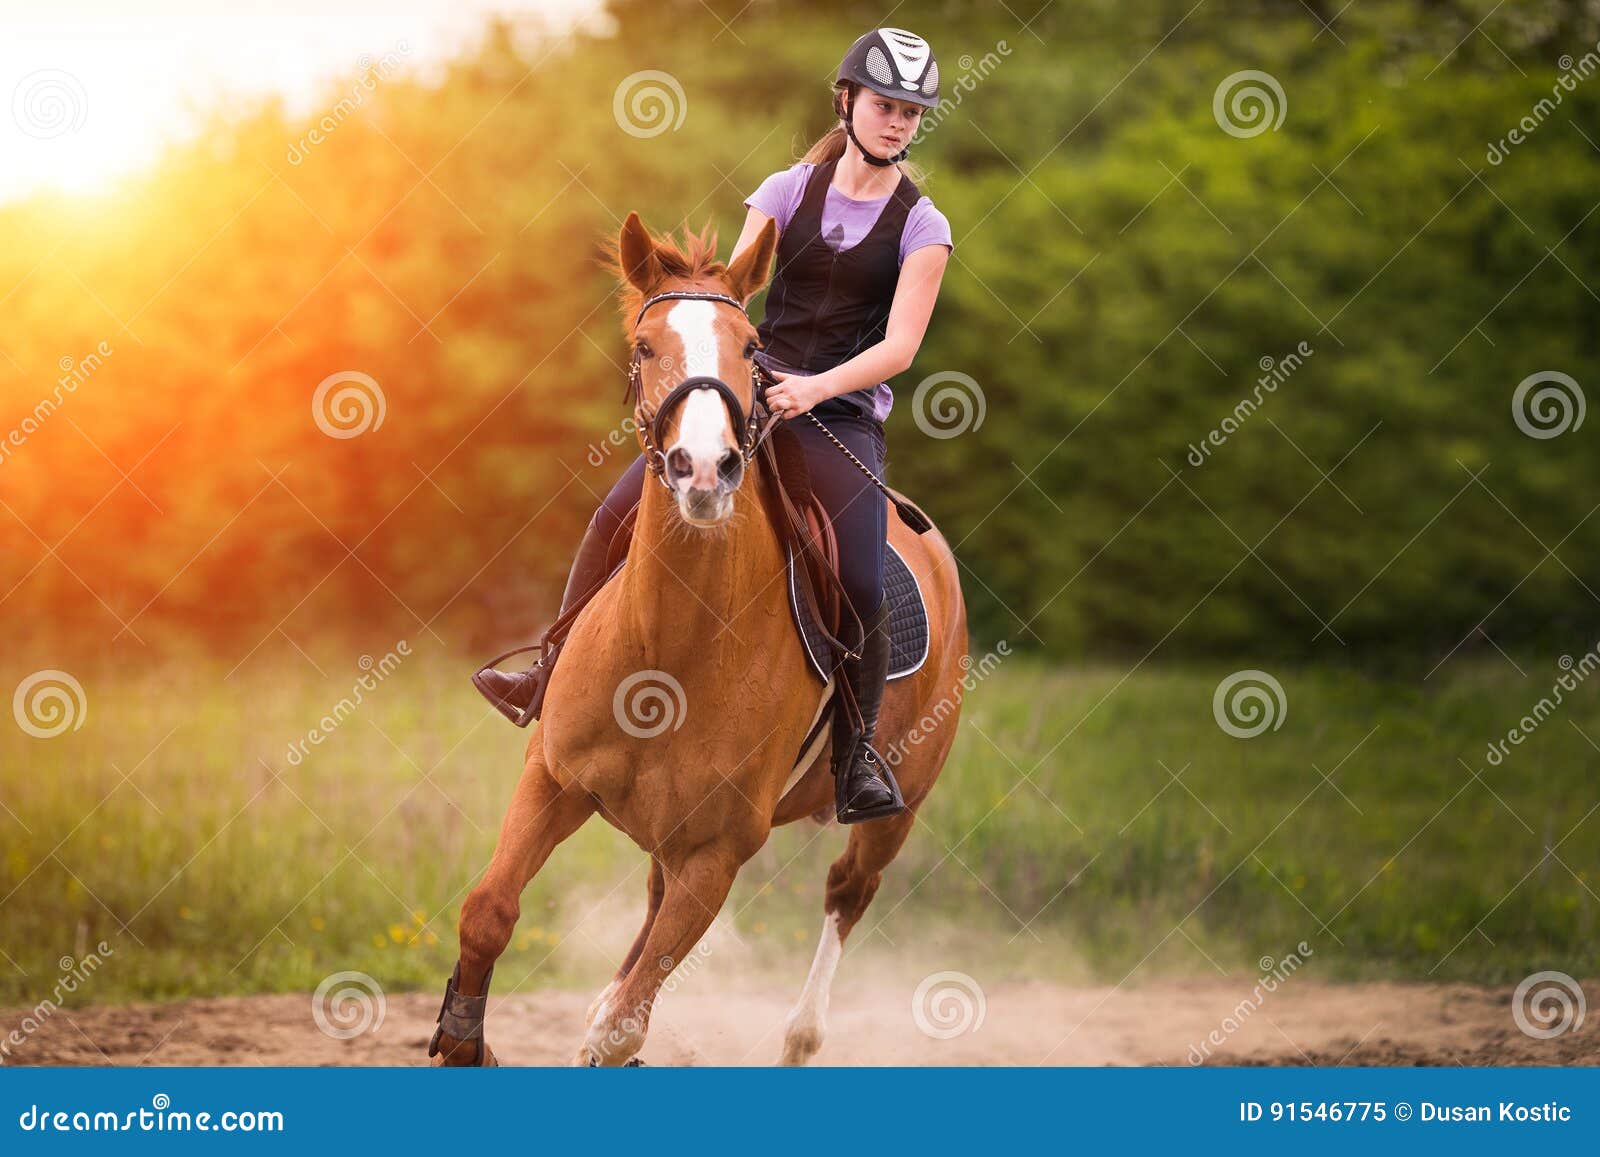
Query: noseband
x,y
748,430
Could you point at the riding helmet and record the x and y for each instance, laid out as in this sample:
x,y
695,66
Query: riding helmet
x,y
893,63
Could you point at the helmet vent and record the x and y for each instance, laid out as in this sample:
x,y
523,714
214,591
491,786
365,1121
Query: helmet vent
x,y
878,66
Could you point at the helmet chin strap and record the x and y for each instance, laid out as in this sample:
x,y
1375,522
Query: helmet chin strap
x,y
850,128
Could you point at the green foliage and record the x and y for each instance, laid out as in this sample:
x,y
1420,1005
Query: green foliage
x,y
1121,267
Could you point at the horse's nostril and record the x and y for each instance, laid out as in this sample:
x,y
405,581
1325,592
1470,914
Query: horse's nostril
x,y
730,467
679,464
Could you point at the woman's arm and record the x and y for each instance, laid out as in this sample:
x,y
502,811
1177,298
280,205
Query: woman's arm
x,y
753,222
914,297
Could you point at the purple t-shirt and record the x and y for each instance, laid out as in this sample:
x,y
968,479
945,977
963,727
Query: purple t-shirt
x,y
845,222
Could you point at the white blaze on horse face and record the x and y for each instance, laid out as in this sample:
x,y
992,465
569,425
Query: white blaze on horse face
x,y
703,430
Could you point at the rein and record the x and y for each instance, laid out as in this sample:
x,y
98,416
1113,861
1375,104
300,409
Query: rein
x,y
751,431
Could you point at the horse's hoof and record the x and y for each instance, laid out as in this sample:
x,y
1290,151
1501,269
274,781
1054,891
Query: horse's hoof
x,y
455,1056
630,1063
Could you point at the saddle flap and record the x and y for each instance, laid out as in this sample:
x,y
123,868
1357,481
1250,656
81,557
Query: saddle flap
x,y
908,621
821,528
786,458
617,550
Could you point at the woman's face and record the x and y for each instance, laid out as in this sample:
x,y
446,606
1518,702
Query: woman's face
x,y
884,125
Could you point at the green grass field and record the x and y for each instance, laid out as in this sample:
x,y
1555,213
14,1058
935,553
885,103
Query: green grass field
x,y
173,826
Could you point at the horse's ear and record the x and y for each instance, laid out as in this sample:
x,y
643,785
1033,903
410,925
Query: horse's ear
x,y
638,253
750,270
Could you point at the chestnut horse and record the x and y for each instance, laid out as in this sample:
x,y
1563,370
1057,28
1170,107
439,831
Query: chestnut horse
x,y
683,698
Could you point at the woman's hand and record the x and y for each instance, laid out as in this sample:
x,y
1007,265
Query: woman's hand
x,y
794,394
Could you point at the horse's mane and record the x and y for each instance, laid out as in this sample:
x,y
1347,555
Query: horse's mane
x,y
695,258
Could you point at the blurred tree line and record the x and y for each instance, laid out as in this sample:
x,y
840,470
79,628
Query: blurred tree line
x,y
1123,267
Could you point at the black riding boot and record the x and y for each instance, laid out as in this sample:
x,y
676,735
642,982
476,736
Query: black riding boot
x,y
519,695
864,788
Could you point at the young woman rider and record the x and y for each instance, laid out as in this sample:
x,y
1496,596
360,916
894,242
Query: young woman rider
x,y
861,254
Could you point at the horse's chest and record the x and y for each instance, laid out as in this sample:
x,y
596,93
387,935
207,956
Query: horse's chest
x,y
666,759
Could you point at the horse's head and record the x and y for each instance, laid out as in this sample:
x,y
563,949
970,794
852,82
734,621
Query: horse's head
x,y
693,365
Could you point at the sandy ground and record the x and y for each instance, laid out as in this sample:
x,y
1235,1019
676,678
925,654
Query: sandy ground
x,y
1024,1024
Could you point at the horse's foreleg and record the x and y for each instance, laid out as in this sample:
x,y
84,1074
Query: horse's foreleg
x,y
691,898
541,815
657,888
852,882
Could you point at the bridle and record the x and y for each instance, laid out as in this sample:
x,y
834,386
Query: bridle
x,y
752,430
749,430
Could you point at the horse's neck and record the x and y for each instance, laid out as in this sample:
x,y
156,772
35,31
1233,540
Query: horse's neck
x,y
686,585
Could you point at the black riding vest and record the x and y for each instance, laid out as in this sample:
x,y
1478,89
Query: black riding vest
x,y
824,306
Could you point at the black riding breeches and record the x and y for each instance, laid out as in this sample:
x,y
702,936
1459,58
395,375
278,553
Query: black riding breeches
x,y
858,510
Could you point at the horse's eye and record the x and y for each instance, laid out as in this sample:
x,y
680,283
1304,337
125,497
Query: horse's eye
x,y
643,349
750,350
